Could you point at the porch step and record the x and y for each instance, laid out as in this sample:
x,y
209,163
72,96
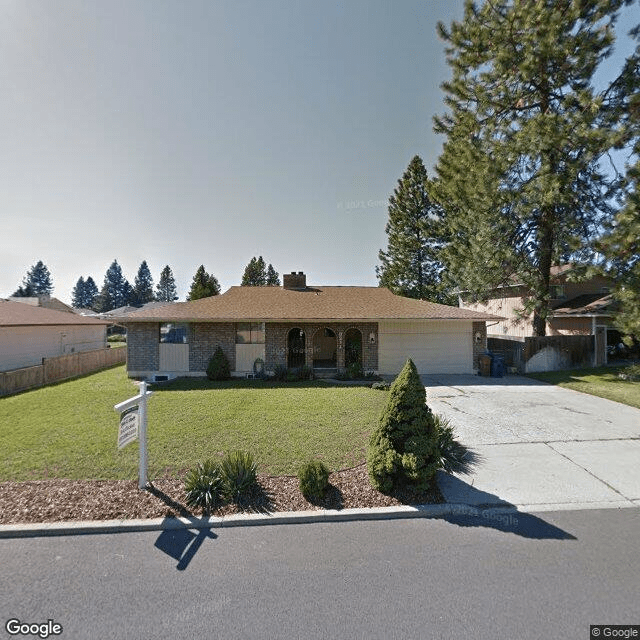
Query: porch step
x,y
324,373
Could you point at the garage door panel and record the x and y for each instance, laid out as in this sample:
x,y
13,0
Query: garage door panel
x,y
434,348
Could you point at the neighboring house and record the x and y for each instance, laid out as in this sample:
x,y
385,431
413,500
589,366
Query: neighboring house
x,y
324,328
29,333
577,308
45,301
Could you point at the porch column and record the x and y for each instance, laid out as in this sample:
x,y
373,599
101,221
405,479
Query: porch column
x,y
340,355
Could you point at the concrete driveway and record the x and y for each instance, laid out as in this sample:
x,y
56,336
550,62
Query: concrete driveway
x,y
537,446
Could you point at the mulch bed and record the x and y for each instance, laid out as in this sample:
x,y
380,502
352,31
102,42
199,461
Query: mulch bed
x,y
65,500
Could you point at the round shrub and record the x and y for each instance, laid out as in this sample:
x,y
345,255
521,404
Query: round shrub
x,y
314,479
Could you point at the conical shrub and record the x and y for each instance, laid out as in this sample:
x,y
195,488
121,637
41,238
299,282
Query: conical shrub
x,y
403,448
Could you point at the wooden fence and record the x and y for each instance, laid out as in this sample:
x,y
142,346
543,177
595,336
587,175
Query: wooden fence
x,y
549,353
60,368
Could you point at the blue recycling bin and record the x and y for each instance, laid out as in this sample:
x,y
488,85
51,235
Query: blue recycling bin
x,y
497,366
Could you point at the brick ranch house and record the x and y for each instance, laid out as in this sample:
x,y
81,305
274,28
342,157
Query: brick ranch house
x,y
324,328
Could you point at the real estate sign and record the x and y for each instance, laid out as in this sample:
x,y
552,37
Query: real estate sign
x,y
129,423
133,425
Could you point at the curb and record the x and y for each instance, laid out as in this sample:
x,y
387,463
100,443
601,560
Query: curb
x,y
238,520
486,512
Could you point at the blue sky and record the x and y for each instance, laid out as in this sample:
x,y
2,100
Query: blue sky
x,y
211,132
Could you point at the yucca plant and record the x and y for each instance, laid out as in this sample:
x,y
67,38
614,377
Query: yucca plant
x,y
239,473
203,486
453,457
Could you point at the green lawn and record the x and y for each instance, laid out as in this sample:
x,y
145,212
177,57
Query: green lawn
x,y
602,382
69,430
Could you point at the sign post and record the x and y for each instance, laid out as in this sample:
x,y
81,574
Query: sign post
x,y
133,424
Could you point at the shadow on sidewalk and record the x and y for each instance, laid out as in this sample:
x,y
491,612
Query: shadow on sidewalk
x,y
474,508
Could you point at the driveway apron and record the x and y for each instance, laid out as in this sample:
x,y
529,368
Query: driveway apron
x,y
538,446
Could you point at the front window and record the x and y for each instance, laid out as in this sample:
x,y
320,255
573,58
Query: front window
x,y
250,333
173,333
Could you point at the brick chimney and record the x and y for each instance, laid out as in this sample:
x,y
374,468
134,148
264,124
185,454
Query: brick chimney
x,y
294,280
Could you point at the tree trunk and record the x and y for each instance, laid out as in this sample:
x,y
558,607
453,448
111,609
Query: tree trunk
x,y
545,256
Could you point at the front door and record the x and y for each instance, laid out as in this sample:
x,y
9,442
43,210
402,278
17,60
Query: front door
x,y
295,349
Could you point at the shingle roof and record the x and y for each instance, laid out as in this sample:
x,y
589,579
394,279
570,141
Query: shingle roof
x,y
312,303
20,314
588,303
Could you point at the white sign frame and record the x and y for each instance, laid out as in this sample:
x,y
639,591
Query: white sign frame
x,y
141,401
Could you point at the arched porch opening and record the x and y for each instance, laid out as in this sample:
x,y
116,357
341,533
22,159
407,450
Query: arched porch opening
x,y
296,342
325,349
352,347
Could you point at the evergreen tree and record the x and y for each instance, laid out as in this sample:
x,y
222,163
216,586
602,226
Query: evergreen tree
x,y
90,293
621,245
273,278
78,294
203,285
24,291
404,446
166,287
37,282
519,176
411,266
116,290
255,273
143,285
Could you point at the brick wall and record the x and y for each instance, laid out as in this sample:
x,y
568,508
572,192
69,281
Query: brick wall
x,y
143,352
203,339
479,346
276,342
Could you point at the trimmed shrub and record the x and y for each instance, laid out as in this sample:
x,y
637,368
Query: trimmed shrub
x,y
239,473
218,368
314,479
305,373
381,386
203,486
355,371
280,373
403,448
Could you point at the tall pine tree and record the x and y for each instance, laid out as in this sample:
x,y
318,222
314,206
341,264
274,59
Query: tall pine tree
x,y
90,293
143,285
410,266
255,273
273,277
37,282
621,243
204,285
166,287
519,176
78,295
116,291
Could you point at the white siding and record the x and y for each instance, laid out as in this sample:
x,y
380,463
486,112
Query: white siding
x,y
26,346
246,355
174,357
435,346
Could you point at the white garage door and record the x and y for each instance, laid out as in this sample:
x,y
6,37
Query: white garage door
x,y
434,346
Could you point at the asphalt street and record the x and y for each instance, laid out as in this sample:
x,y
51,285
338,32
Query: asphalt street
x,y
511,575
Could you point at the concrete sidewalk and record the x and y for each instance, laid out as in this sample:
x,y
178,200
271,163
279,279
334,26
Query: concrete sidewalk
x,y
538,445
